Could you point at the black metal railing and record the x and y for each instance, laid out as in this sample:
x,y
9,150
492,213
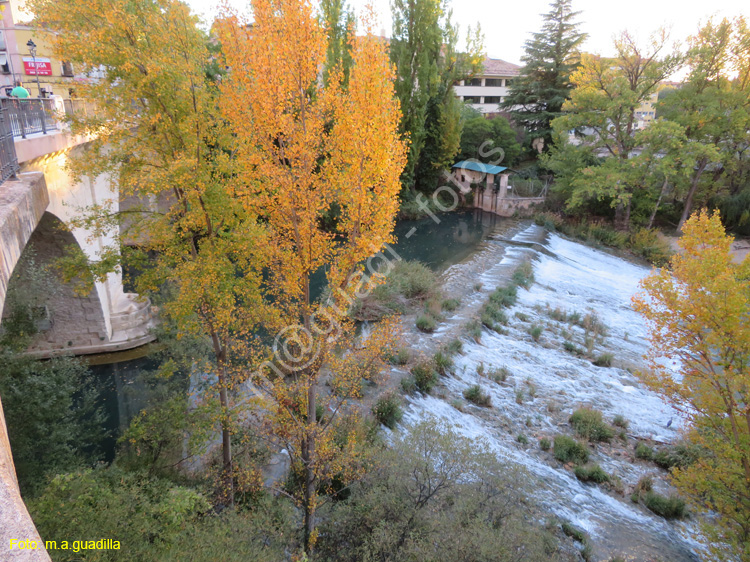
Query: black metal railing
x,y
8,158
31,115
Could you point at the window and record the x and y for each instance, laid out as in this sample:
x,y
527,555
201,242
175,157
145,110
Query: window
x,y
491,99
4,67
67,69
2,41
471,99
475,82
493,82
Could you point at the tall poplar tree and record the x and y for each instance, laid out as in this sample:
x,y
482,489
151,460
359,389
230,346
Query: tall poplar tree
x,y
424,49
157,134
537,94
303,149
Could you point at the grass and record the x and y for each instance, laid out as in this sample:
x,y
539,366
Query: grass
x,y
589,424
425,376
643,451
680,455
499,374
454,347
620,421
387,410
443,362
406,283
426,323
522,316
604,360
401,357
519,396
474,330
535,332
573,532
591,474
505,296
568,449
671,507
450,305
523,276
493,317
409,385
476,395
570,347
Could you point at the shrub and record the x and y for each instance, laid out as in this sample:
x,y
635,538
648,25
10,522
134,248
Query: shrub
x,y
443,362
568,449
604,360
519,396
574,318
589,424
522,317
536,332
570,347
523,276
401,357
556,314
454,347
591,474
477,286
474,330
387,410
505,296
643,451
645,484
476,395
425,376
592,324
406,282
680,455
426,323
544,444
409,385
620,421
499,375
573,532
522,439
450,304
491,314
671,507
647,244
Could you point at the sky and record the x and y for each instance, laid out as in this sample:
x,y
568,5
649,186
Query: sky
x,y
507,25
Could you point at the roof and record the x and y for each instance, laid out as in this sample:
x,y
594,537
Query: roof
x,y
479,167
499,67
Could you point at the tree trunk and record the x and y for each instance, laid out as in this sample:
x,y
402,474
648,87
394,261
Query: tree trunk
x,y
691,193
622,216
226,437
658,202
308,454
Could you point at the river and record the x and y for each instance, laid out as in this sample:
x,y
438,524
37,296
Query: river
x,y
468,248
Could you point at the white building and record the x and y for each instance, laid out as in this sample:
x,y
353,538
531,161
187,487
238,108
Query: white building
x,y
486,91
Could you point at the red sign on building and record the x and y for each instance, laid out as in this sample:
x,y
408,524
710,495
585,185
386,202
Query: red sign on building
x,y
43,66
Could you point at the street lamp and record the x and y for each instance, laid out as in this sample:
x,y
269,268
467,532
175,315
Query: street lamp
x,y
32,49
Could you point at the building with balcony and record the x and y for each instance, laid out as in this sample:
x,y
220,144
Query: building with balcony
x,y
486,91
41,73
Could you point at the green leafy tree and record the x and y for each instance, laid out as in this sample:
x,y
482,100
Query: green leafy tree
x,y
158,135
537,94
601,111
480,136
338,20
424,49
713,105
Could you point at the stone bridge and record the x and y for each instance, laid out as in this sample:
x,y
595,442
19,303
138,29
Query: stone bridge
x,y
35,209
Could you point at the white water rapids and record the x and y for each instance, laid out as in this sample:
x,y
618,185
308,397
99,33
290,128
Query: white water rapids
x,y
573,278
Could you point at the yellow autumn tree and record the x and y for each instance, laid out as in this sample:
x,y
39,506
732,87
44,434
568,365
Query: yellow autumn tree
x,y
699,319
158,135
320,165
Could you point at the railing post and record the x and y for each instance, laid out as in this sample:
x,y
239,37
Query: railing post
x,y
42,115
